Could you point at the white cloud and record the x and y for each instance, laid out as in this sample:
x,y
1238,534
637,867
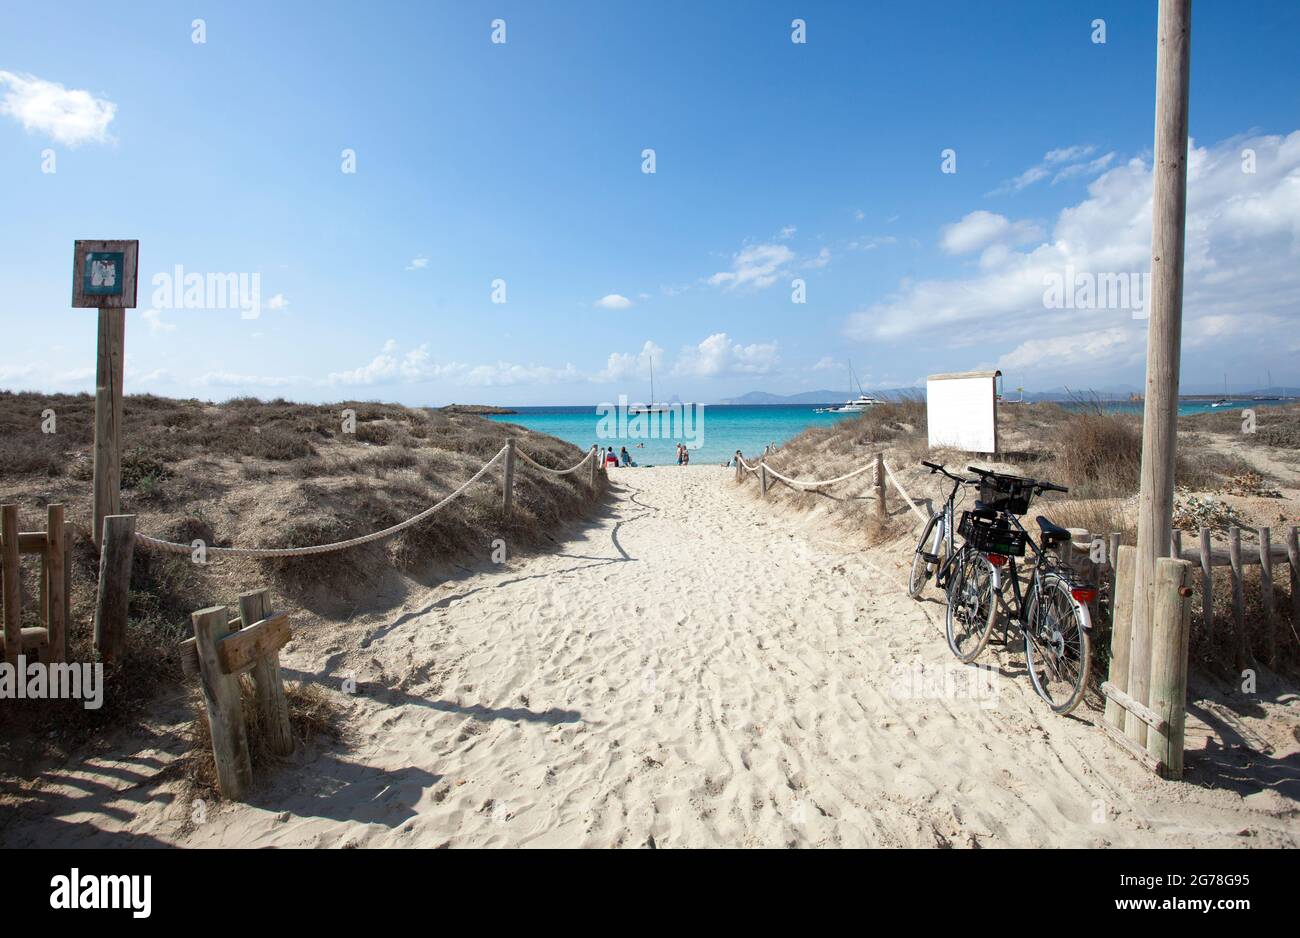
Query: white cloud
x,y
1242,263
277,302
821,260
718,354
622,366
154,318
1079,348
1048,167
980,229
614,301
226,379
826,363
759,265
392,366
70,117
787,232
418,263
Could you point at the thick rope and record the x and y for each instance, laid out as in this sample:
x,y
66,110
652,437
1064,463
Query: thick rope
x,y
856,472
902,491
158,544
555,472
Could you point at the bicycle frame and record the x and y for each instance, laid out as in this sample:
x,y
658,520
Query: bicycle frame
x,y
1035,585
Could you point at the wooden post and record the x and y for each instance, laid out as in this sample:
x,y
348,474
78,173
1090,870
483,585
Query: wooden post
x,y
1120,632
1266,589
12,592
225,710
882,510
108,416
1170,627
593,465
272,708
739,471
56,601
1293,558
115,552
1176,544
1164,328
1241,639
508,481
1207,585
762,477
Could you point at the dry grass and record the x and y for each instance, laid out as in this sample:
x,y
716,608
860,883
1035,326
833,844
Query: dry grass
x,y
253,473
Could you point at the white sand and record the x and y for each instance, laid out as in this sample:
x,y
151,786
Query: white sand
x,y
695,669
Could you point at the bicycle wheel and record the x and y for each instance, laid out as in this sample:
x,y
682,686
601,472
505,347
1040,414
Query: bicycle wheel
x,y
1057,654
922,570
972,604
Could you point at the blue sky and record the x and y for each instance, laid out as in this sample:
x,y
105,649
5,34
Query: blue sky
x,y
522,161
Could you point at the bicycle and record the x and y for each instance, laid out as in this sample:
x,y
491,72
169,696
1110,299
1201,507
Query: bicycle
x,y
937,534
1052,613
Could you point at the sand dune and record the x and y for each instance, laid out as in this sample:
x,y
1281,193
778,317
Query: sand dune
x,y
695,669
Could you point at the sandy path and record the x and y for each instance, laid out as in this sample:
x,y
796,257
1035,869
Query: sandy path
x,y
693,671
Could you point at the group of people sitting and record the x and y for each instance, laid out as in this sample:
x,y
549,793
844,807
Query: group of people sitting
x,y
623,458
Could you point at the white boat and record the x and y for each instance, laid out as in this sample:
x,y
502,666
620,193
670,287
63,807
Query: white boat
x,y
854,405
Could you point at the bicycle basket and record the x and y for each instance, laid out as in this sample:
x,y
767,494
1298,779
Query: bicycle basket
x,y
991,535
1006,493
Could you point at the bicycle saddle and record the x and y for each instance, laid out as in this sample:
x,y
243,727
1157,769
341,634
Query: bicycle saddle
x,y
1052,533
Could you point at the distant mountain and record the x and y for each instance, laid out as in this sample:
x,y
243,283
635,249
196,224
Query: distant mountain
x,y
805,397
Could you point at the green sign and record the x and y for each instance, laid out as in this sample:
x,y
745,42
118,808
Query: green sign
x,y
104,273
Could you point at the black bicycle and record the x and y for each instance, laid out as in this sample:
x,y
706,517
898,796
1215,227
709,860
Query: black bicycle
x,y
1052,613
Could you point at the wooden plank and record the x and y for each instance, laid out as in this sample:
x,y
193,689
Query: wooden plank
x,y
1120,631
11,597
108,418
1293,558
30,639
1141,755
225,709
272,707
1266,593
1240,638
882,509
189,655
114,593
1145,714
69,535
507,481
1207,584
1222,557
56,601
1170,631
239,649
32,542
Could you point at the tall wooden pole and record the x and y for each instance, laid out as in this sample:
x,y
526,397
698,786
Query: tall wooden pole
x,y
108,417
1164,331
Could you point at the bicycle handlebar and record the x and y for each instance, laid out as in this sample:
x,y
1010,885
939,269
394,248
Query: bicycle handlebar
x,y
1041,486
938,467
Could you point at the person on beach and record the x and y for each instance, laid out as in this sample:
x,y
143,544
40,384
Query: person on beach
x,y
624,457
679,454
610,458
686,455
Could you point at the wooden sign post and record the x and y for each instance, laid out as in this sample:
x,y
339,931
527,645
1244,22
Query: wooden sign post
x,y
104,278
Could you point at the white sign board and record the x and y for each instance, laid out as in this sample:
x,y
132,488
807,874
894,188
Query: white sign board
x,y
962,411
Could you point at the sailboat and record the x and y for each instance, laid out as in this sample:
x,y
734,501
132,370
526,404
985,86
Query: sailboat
x,y
854,405
1269,397
652,407
1223,401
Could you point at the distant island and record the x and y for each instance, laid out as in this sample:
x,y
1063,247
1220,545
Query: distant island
x,y
480,409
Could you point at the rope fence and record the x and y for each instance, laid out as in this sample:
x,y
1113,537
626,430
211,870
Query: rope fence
x,y
507,452
879,467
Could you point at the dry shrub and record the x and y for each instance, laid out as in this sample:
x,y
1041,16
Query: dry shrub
x,y
1094,453
314,714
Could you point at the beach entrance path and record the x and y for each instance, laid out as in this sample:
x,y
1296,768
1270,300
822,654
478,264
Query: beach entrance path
x,y
696,668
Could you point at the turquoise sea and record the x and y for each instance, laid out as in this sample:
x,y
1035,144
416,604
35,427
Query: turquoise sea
x,y
722,429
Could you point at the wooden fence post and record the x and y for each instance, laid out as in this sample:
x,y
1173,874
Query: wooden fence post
x,y
1266,588
1120,631
56,601
593,465
272,708
1240,639
881,508
1293,558
11,566
1207,584
108,417
117,545
225,710
739,470
762,477
508,481
1170,625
